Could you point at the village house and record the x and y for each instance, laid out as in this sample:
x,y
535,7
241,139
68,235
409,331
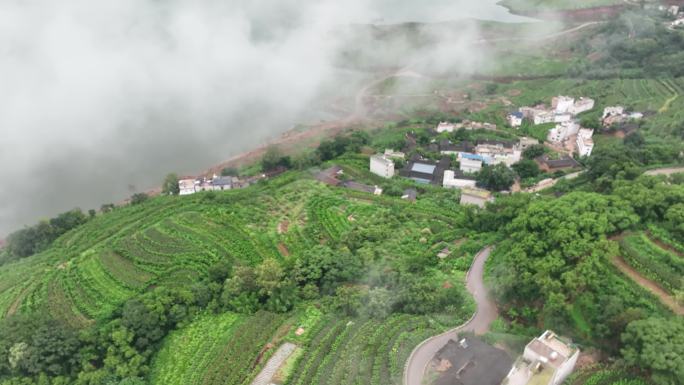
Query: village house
x,y
391,154
445,127
425,171
547,164
187,186
562,104
617,115
547,360
220,183
495,152
582,105
458,179
515,119
585,143
470,163
474,196
448,148
562,132
525,142
382,166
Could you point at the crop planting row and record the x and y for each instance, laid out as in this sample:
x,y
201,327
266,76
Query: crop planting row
x,y
236,362
325,212
664,236
612,377
657,264
187,353
360,352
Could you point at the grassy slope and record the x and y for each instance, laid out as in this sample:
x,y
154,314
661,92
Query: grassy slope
x,y
166,241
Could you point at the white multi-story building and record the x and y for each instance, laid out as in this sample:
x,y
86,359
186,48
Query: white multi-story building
x,y
445,127
582,105
543,117
470,165
562,131
457,179
585,143
382,166
562,104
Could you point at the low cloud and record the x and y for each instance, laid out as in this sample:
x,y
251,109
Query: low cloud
x,y
99,99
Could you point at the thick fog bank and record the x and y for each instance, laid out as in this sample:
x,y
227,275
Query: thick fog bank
x,y
99,99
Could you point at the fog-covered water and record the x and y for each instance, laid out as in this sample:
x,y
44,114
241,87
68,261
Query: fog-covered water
x,y
102,98
435,11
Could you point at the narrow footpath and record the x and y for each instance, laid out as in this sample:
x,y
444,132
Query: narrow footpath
x,y
649,285
479,324
265,377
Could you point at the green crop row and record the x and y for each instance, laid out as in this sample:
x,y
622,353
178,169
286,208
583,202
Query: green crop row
x,y
657,264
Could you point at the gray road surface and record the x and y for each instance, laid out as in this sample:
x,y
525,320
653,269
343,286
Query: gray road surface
x,y
484,316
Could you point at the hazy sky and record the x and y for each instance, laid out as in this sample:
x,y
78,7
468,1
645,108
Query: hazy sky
x,y
97,96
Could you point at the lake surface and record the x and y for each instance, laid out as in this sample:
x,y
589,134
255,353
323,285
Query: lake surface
x,y
434,11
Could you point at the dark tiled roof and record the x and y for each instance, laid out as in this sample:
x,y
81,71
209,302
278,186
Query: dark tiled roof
x,y
565,162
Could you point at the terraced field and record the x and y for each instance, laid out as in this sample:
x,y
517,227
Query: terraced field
x,y
215,349
344,351
662,266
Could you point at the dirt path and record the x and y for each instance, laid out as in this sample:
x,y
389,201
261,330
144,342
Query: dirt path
x,y
649,285
265,377
479,324
665,171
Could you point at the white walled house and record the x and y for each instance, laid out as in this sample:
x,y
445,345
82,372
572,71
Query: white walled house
x,y
562,118
582,105
457,179
562,131
562,104
515,119
543,117
613,111
187,186
585,143
382,166
547,360
220,183
445,127
470,166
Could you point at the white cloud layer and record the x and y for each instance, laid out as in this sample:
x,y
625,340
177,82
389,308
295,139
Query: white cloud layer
x,y
96,95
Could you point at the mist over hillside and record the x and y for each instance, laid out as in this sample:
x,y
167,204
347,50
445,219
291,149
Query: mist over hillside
x,y
101,99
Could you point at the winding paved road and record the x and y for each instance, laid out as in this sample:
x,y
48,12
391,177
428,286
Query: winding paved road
x,y
479,324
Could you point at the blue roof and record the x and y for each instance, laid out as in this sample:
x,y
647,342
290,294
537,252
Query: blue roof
x,y
517,114
423,168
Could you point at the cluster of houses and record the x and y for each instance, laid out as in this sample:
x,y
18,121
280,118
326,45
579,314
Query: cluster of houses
x,y
677,12
563,112
465,125
618,115
189,186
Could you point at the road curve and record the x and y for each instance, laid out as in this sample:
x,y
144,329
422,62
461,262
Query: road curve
x,y
479,323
